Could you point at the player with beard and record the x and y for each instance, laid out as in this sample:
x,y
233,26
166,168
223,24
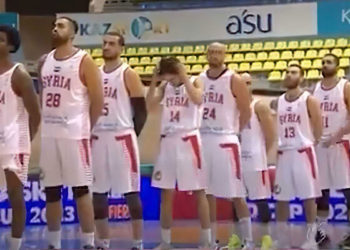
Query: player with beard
x,y
299,126
72,101
333,150
115,152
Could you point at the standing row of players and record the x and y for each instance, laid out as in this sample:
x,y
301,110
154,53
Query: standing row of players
x,y
199,149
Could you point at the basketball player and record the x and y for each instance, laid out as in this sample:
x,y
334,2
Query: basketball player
x,y
19,122
226,112
179,160
115,152
333,150
257,139
72,101
299,128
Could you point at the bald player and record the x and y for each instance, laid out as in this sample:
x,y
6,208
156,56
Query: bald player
x,y
257,139
226,112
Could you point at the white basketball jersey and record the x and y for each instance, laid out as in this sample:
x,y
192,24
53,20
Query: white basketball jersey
x,y
14,121
220,114
117,112
65,100
334,111
179,112
253,146
293,123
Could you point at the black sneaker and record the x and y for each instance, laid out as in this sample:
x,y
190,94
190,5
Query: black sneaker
x,y
321,238
88,247
51,247
345,243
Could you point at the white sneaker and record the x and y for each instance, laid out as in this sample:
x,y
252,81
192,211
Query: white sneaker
x,y
248,245
310,244
163,246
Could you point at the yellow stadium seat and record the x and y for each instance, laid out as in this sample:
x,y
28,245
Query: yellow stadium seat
x,y
281,65
256,66
311,54
197,68
199,49
124,59
313,74
305,44
293,62
244,67
96,53
342,42
176,50
206,67
306,64
275,76
262,56
281,45
131,51
145,60
338,52
228,57
317,64
233,47
191,59
269,65
341,73
202,58
142,50
344,62
293,44
181,58
322,52
188,49
346,52
233,66
98,61
188,68
329,43
246,46
87,51
299,54
257,46
154,50
139,69
250,57
155,59
274,55
269,45
238,57
133,60
165,50
287,55
149,69
317,43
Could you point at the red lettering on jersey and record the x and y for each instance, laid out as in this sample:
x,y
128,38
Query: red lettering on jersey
x,y
56,81
289,118
110,92
214,97
176,101
2,97
329,106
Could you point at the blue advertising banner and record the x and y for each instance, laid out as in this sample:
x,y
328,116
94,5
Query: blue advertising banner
x,y
333,17
9,19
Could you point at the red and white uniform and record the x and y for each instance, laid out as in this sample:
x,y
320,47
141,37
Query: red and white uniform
x,y
333,161
180,158
115,151
65,127
297,171
254,160
14,130
219,130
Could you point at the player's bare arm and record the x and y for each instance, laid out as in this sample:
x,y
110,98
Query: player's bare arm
x,y
92,78
137,97
155,94
194,90
240,91
267,124
315,117
23,86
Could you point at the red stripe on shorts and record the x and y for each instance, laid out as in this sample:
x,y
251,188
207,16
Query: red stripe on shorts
x,y
195,146
310,156
263,177
234,149
127,139
346,145
85,143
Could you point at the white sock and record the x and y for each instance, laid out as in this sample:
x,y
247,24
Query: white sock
x,y
15,243
213,231
166,235
245,225
88,239
137,243
265,228
282,228
206,236
104,243
54,238
322,223
311,230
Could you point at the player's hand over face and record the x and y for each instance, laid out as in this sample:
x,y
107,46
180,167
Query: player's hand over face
x,y
182,72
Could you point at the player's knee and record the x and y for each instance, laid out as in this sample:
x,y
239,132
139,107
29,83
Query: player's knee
x,y
53,194
100,201
134,204
79,192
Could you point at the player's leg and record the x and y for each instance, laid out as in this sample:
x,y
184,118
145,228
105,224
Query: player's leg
x,y
135,209
346,241
310,209
322,217
212,214
282,227
204,217
244,220
100,202
166,216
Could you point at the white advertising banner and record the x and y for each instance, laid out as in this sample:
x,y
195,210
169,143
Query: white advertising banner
x,y
284,20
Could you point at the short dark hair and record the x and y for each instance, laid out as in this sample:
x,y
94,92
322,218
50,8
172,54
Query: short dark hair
x,y
73,23
117,34
13,37
168,65
335,57
299,67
